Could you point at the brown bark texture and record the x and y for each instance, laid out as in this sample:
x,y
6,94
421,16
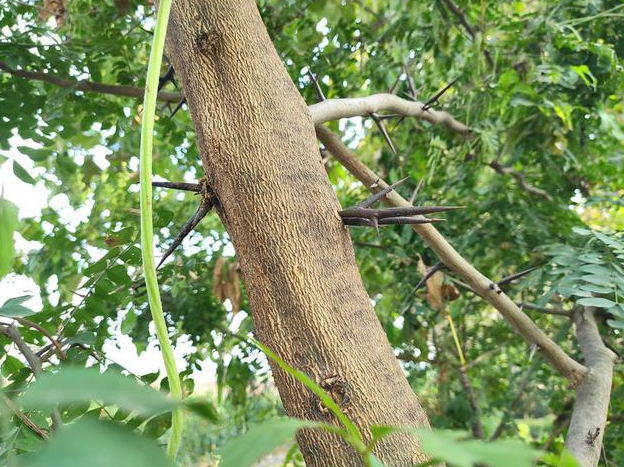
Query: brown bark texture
x,y
261,159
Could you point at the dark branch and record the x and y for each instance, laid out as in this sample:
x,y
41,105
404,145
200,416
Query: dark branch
x,y
519,176
88,86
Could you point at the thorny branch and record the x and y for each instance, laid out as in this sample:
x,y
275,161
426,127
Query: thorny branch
x,y
569,368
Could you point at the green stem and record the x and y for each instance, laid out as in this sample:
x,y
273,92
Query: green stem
x,y
147,228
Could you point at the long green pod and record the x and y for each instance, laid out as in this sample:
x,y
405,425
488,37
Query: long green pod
x,y
147,228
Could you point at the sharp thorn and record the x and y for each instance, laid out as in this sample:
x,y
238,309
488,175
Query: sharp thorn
x,y
427,105
408,220
506,280
430,272
384,132
195,187
394,86
416,190
380,194
178,107
203,209
317,87
383,213
166,78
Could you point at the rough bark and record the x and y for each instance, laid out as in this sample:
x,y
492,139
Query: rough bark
x,y
589,414
261,160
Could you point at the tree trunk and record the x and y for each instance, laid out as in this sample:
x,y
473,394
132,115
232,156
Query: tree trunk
x,y
261,159
589,414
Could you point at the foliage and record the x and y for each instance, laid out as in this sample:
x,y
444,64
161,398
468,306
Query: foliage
x,y
550,108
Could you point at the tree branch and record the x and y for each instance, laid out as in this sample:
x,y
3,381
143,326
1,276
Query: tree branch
x,y
334,109
34,362
589,414
461,16
519,176
24,419
569,368
88,86
475,425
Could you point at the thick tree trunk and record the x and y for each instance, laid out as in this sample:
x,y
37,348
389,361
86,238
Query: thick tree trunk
x,y
261,158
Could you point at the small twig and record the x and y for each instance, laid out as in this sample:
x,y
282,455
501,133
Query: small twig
x,y
461,16
476,426
23,417
546,311
43,331
34,362
519,176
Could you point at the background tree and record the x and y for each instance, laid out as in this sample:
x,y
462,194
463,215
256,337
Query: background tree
x,y
538,87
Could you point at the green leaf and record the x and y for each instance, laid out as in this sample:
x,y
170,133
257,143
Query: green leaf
x,y
260,440
596,301
91,443
448,446
21,173
598,280
8,224
78,385
204,409
13,307
616,323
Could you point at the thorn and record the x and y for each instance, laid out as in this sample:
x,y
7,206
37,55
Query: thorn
x,y
506,280
410,84
203,209
416,190
178,107
366,222
427,105
380,194
394,212
408,220
166,78
388,116
195,187
376,225
430,272
383,130
317,87
394,86
495,288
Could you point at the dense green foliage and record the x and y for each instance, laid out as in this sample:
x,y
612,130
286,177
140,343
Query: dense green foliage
x,y
547,103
